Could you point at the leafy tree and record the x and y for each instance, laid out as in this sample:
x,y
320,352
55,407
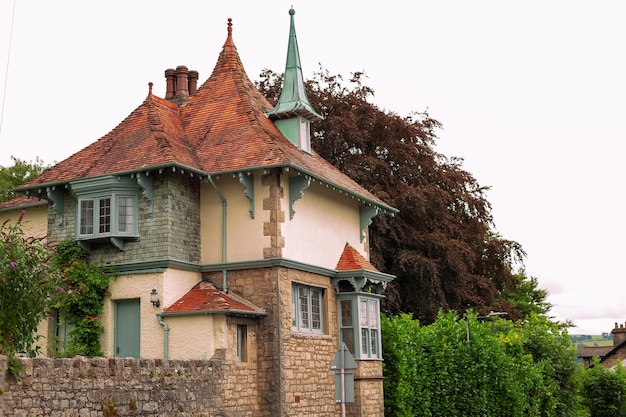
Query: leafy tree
x,y
526,297
29,284
441,246
17,174
604,390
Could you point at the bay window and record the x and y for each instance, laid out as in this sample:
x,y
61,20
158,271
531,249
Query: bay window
x,y
359,324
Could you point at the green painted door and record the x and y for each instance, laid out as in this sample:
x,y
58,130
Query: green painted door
x,y
127,328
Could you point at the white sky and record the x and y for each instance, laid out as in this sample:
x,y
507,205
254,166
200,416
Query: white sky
x,y
531,94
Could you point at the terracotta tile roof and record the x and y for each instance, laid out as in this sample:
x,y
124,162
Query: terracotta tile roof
x,y
205,298
220,128
21,201
352,260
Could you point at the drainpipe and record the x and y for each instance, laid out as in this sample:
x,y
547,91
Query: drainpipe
x,y
221,196
166,331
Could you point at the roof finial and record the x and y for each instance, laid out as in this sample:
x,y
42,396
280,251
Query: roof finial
x,y
150,84
229,38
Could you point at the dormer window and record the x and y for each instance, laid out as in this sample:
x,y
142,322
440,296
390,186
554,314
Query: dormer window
x,y
107,209
105,216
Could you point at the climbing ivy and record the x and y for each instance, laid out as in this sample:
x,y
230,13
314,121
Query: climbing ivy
x,y
86,284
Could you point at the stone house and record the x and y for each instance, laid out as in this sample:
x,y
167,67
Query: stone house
x,y
609,355
231,238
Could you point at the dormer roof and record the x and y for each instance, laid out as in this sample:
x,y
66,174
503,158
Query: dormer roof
x,y
352,260
220,128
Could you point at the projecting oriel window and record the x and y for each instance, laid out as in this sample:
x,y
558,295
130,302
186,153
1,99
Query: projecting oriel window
x,y
359,325
108,216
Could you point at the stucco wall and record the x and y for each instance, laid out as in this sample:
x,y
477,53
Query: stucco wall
x,y
170,285
245,240
35,219
324,221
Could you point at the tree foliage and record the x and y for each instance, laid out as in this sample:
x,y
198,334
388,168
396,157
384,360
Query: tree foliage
x,y
17,174
604,390
29,286
470,367
441,246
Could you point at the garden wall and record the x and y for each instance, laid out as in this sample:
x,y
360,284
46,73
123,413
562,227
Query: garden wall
x,y
81,387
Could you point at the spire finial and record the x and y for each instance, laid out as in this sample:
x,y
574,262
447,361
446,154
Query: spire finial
x,y
229,38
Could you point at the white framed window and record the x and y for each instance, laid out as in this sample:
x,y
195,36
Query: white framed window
x,y
107,216
307,308
369,326
359,325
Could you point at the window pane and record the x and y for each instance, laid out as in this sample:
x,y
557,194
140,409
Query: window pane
x,y
347,337
363,313
316,309
304,308
364,344
346,313
373,314
125,214
294,307
104,218
373,342
86,217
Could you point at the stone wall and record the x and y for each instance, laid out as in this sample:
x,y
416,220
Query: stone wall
x,y
80,387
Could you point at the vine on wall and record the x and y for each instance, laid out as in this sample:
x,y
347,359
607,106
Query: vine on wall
x,y
85,286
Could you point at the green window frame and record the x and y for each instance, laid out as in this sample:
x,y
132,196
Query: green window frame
x,y
110,215
359,325
307,309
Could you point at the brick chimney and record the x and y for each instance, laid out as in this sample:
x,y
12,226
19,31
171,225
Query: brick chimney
x,y
193,81
170,83
180,83
619,334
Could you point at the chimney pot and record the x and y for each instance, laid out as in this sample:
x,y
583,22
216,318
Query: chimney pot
x,y
170,83
193,81
182,88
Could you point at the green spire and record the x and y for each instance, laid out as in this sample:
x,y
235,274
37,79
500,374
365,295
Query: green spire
x,y
293,101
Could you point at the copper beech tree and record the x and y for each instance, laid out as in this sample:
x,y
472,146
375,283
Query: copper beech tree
x,y
441,246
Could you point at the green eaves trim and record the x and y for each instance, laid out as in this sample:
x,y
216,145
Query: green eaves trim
x,y
161,265
184,169
229,312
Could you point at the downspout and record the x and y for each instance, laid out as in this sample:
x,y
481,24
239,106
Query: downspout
x,y
224,272
166,331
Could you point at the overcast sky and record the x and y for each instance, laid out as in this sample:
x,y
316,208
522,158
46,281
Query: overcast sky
x,y
531,94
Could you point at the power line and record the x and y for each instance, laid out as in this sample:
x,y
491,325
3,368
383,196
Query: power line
x,y
6,75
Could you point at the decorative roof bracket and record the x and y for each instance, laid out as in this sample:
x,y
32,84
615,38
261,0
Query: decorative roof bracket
x,y
297,185
247,181
55,195
366,214
147,187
